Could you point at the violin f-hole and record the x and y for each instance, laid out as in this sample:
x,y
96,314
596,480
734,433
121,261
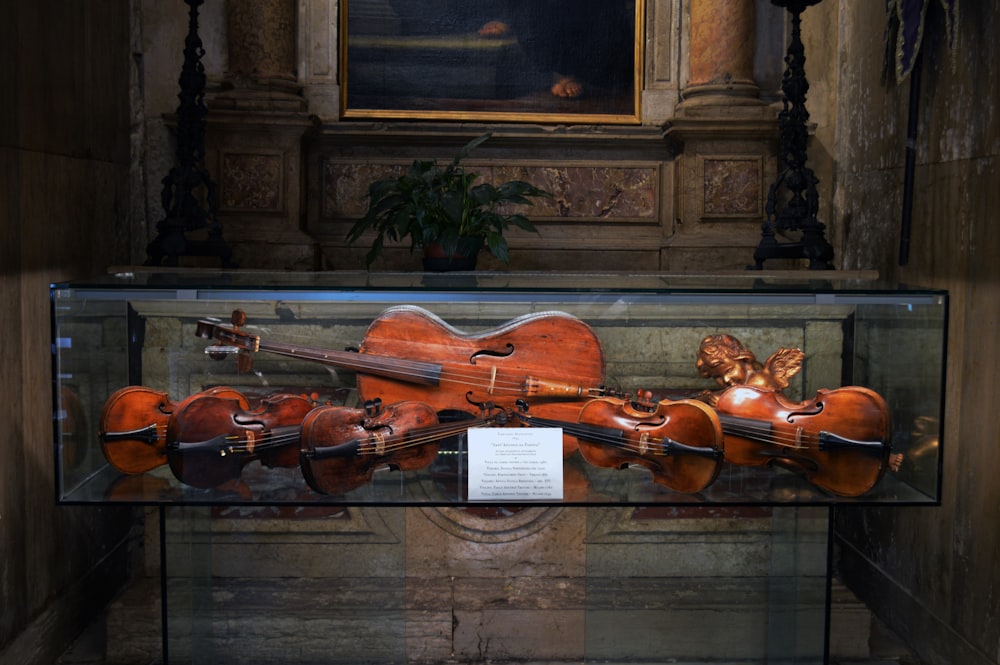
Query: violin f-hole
x,y
659,422
815,412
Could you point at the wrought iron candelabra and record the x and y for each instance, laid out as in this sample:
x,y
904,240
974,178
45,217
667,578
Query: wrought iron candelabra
x,y
189,195
796,183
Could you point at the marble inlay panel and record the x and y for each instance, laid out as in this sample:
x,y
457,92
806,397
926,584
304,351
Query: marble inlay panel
x,y
733,187
251,181
579,192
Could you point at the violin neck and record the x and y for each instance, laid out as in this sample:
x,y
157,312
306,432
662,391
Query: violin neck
x,y
409,371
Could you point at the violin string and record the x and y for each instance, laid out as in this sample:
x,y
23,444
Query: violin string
x,y
235,443
649,447
420,436
161,433
376,364
764,433
802,439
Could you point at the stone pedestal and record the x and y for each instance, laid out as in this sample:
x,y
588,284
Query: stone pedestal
x,y
256,155
728,158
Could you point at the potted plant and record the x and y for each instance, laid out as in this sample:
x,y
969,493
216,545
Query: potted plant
x,y
445,212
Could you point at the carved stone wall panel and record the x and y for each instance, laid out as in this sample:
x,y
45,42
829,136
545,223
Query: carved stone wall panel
x,y
592,191
586,192
252,181
733,186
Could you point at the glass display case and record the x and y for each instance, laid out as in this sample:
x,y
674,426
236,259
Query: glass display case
x,y
448,389
462,467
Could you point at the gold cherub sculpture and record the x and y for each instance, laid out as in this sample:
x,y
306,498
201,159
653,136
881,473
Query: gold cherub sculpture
x,y
728,361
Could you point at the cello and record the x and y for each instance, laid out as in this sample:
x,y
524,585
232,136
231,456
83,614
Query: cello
x,y
342,447
679,442
210,438
409,353
839,440
133,426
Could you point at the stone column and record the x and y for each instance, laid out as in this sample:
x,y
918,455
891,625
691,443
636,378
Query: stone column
x,y
261,40
721,49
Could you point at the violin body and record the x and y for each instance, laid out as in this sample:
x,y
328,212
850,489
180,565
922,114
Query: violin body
x,y
133,426
342,447
210,438
839,440
679,442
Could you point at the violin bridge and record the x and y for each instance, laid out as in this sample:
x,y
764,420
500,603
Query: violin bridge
x,y
493,380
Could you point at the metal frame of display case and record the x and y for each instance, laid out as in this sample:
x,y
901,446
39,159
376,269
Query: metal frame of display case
x,y
135,326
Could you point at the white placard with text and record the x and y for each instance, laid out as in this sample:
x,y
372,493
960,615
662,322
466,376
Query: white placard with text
x,y
515,463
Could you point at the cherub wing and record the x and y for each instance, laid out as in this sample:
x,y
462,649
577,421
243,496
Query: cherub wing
x,y
783,365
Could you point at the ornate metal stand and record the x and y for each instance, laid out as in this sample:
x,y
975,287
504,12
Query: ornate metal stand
x,y
189,194
796,182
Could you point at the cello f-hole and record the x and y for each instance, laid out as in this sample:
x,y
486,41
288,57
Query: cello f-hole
x,y
492,354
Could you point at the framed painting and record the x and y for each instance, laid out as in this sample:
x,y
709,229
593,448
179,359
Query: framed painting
x,y
565,61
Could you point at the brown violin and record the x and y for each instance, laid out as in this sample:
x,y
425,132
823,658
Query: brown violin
x,y
211,438
133,426
680,442
410,354
839,440
343,447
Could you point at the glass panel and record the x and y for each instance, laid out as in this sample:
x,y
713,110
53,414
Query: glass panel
x,y
797,586
311,586
705,584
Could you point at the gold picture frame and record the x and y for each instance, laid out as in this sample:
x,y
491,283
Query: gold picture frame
x,y
548,61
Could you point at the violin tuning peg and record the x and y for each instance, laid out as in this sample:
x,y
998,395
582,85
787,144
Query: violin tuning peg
x,y
238,318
